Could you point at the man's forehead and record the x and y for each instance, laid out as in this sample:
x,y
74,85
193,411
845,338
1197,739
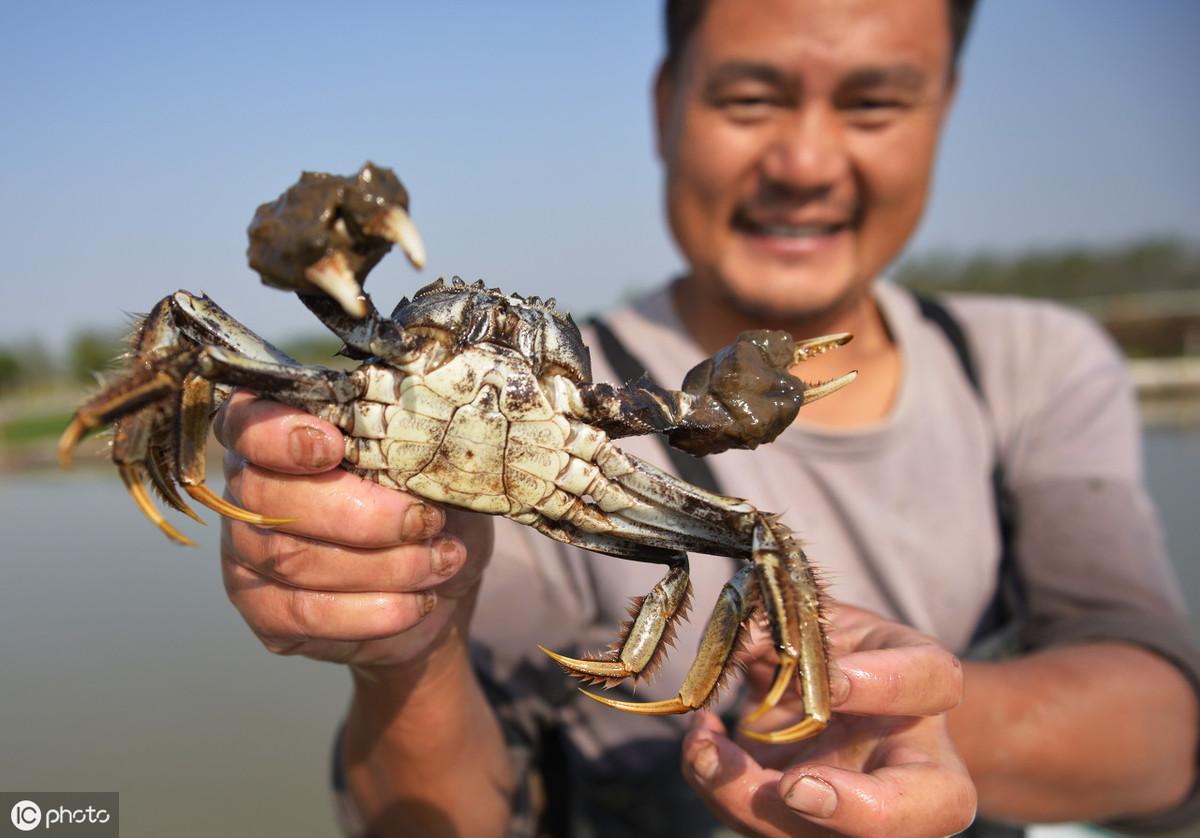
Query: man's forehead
x,y
842,34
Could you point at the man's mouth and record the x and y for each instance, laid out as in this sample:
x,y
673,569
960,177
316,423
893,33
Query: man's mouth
x,y
789,228
793,231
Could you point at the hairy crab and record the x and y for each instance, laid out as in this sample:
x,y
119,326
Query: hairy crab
x,y
483,400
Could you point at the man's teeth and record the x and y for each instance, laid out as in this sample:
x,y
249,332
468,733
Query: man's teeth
x,y
797,230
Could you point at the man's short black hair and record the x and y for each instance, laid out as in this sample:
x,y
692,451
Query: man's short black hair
x,y
682,17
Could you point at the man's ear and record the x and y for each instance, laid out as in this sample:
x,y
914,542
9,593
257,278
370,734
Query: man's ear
x,y
663,88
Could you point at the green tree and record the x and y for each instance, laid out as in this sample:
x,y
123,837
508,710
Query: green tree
x,y
93,351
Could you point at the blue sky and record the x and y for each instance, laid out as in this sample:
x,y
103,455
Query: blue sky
x,y
139,137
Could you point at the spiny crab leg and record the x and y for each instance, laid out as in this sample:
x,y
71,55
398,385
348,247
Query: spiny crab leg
x,y
778,579
712,659
98,413
651,627
169,492
800,631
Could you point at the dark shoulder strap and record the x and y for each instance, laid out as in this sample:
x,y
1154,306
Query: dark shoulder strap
x,y
940,316
1008,603
692,469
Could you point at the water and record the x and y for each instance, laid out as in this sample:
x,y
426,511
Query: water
x,y
125,668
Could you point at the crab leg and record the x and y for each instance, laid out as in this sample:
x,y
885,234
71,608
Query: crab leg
x,y
196,402
166,487
713,657
102,410
791,598
812,672
787,589
649,630
136,456
296,384
164,403
652,617
132,477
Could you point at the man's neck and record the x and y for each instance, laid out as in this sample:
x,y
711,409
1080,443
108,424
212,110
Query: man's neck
x,y
714,323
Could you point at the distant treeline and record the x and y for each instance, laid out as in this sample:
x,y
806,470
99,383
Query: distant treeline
x,y
1138,291
1062,273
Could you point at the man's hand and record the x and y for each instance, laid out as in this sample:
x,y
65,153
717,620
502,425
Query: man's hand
x,y
885,765
365,575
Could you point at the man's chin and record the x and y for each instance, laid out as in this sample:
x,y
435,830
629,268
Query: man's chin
x,y
792,298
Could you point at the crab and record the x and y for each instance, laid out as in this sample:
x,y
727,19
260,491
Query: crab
x,y
483,400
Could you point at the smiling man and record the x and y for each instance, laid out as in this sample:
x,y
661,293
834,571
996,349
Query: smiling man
x,y
798,139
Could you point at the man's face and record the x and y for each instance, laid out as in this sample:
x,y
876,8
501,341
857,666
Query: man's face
x,y
798,138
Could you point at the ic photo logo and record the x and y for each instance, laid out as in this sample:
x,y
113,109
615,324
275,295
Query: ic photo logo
x,y
26,815
73,814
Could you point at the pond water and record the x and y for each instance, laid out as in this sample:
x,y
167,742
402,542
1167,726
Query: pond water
x,y
125,668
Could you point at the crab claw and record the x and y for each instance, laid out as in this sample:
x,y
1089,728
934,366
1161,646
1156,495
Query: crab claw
x,y
332,274
811,347
394,225
327,232
820,391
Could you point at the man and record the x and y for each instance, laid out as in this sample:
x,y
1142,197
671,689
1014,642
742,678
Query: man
x,y
798,139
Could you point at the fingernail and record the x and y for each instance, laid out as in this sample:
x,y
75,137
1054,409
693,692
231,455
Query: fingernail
x,y
839,686
445,555
706,762
312,448
428,601
420,521
812,796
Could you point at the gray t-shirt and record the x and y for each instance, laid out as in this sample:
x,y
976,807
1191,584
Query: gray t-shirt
x,y
899,517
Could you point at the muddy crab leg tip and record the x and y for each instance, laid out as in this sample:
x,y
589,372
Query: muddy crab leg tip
x,y
820,391
205,495
671,706
803,730
595,669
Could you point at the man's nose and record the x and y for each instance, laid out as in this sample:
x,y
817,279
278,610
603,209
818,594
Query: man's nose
x,y
808,152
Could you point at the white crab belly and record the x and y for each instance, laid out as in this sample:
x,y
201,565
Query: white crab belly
x,y
478,434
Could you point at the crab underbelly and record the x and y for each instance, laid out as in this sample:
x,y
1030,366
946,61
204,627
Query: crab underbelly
x,y
468,455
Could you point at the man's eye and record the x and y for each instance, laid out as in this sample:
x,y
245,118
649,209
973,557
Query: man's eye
x,y
873,111
746,108
874,104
